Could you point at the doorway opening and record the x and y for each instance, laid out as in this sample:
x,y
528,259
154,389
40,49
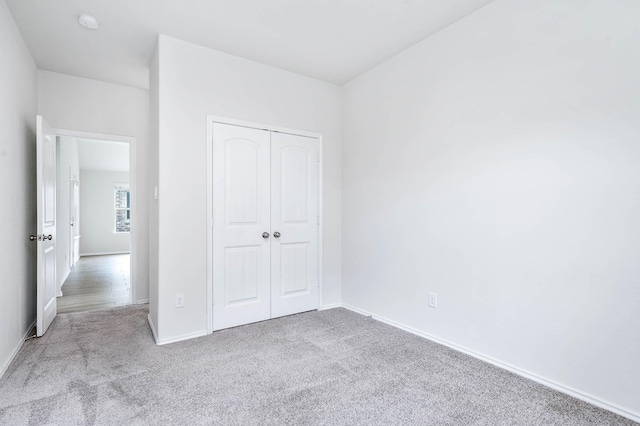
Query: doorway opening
x,y
95,211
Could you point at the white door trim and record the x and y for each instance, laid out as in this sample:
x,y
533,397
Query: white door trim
x,y
132,188
211,119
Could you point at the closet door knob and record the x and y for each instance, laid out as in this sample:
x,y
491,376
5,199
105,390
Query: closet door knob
x,y
265,235
276,234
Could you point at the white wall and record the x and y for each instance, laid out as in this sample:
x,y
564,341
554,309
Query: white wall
x,y
193,82
18,101
80,104
68,165
98,213
497,164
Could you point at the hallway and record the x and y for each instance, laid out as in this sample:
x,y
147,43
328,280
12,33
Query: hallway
x,y
97,282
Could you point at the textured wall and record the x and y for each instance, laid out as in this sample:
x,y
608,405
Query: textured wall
x,y
193,82
496,163
18,103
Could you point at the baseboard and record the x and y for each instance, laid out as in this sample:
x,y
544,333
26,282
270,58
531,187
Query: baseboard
x,y
142,302
61,282
330,306
520,372
359,311
15,352
161,342
153,329
106,253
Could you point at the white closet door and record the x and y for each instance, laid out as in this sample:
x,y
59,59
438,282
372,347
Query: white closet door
x,y
294,222
241,214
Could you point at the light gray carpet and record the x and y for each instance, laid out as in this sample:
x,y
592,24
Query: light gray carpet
x,y
331,368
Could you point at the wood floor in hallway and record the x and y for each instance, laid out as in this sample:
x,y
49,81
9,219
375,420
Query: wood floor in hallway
x,y
97,282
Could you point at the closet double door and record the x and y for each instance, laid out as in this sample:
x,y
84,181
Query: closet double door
x,y
265,225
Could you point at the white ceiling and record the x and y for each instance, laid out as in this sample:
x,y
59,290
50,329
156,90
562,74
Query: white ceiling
x,y
103,155
331,40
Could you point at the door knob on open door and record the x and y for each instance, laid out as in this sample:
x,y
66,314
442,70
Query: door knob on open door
x,y
276,234
47,237
265,235
33,237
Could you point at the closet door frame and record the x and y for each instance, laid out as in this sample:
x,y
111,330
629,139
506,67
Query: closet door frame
x,y
211,120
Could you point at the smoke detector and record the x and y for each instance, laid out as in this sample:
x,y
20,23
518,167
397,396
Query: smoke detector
x,y
88,21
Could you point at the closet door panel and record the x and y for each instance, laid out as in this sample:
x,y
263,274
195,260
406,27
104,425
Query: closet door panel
x,y
294,222
241,214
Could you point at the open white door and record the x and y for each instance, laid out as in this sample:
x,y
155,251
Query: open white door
x,y
46,218
74,223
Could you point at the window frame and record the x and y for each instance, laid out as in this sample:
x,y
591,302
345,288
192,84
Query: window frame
x,y
121,187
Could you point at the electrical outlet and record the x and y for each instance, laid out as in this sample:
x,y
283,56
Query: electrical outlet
x,y
433,300
180,300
